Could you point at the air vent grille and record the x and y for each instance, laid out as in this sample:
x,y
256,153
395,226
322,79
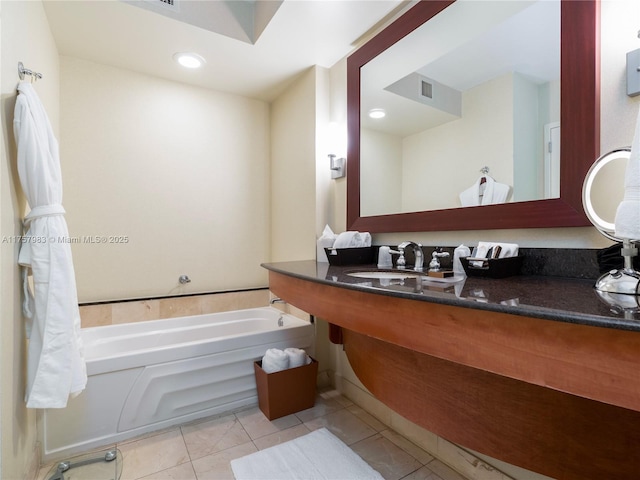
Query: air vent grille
x,y
426,89
173,5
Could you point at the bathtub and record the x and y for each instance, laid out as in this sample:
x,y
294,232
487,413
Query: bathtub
x,y
145,376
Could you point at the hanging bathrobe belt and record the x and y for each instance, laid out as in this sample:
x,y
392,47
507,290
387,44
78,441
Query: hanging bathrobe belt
x,y
43,211
24,256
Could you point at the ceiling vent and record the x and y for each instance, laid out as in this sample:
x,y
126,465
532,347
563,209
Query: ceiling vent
x,y
426,90
170,4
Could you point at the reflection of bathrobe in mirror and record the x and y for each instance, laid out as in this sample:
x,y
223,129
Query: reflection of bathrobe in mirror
x,y
487,193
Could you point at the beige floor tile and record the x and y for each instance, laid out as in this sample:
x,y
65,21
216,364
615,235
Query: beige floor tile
x,y
181,472
367,418
344,425
322,407
331,394
443,471
281,437
423,474
257,425
391,461
213,436
408,446
217,466
153,454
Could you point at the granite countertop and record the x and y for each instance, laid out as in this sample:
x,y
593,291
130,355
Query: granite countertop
x,y
551,298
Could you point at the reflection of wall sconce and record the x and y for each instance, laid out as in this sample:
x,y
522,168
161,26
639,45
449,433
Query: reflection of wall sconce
x,y
337,165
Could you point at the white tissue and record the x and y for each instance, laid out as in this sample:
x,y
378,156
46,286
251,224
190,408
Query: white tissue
x,y
507,249
275,360
297,357
353,239
627,221
326,240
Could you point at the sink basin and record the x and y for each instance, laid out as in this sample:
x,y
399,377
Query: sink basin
x,y
373,274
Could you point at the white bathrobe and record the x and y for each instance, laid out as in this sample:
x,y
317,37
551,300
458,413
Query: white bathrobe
x,y
488,193
55,362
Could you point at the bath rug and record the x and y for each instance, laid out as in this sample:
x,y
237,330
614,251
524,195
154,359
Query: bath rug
x,y
318,455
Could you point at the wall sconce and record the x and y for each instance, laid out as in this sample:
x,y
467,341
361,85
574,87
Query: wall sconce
x,y
633,72
338,166
337,142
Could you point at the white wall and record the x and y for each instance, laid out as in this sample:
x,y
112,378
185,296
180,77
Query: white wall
x,y
177,176
25,36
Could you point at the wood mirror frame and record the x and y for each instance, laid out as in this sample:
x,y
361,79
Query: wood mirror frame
x,y
579,135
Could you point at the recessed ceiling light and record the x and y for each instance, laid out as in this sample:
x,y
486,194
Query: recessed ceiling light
x,y
377,113
189,60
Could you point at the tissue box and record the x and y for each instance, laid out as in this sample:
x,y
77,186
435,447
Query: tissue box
x,y
494,267
350,256
287,391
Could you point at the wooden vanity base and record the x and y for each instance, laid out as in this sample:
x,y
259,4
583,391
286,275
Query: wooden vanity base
x,y
557,398
543,430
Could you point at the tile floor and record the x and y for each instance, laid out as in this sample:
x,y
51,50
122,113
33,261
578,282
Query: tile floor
x,y
202,450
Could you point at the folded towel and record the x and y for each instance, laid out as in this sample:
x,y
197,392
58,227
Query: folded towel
x,y
275,360
297,357
627,220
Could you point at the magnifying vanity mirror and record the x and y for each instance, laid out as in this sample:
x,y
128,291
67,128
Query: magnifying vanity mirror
x,y
602,192
493,113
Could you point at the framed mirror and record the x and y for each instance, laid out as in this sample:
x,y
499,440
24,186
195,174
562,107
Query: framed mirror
x,y
559,204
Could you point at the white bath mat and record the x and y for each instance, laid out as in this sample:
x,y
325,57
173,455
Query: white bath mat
x,y
318,455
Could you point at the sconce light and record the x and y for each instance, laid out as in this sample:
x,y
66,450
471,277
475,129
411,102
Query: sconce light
x,y
337,142
338,166
633,72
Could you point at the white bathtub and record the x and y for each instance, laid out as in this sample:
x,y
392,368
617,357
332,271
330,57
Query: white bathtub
x,y
149,375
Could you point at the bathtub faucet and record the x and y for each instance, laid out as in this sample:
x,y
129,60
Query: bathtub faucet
x,y
278,300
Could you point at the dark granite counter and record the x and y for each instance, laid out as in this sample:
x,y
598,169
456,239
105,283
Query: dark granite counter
x,y
551,298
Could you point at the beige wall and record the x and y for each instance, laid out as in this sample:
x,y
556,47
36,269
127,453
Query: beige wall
x,y
381,172
179,174
25,36
296,184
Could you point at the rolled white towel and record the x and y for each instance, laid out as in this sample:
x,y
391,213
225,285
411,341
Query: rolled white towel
x,y
275,360
297,357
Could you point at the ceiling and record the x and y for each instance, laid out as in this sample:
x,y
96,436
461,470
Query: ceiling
x,y
252,48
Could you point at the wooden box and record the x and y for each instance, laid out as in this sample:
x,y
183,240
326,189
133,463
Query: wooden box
x,y
286,391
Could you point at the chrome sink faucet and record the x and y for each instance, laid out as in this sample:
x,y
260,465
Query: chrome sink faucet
x,y
417,252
